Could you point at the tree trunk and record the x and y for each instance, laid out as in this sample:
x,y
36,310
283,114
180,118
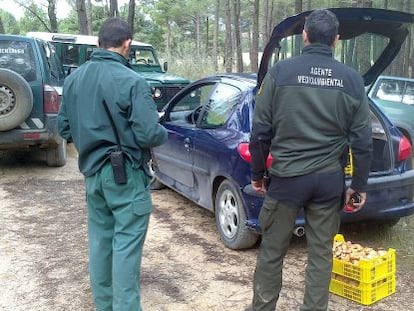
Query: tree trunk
x,y
51,12
168,39
82,18
266,21
113,8
254,51
298,39
197,33
216,35
239,52
89,16
408,61
398,63
363,45
1,26
131,14
228,58
208,35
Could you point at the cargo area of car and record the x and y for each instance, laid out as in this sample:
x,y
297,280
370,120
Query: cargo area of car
x,y
382,147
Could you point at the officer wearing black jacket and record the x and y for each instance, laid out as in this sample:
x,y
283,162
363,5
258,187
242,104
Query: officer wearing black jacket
x,y
309,110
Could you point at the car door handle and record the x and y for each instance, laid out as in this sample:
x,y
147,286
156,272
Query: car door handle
x,y
187,142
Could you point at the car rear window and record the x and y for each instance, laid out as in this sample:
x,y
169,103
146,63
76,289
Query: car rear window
x,y
18,56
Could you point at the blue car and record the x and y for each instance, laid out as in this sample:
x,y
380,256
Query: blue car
x,y
206,157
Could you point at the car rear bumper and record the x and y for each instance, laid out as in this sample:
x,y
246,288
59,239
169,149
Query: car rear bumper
x,y
388,197
23,138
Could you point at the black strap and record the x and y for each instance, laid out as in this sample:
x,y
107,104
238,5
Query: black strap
x,y
108,112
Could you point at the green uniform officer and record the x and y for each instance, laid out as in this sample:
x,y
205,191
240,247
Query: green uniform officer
x,y
309,110
118,214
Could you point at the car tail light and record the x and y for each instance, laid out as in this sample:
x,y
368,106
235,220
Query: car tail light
x,y
404,149
243,150
51,100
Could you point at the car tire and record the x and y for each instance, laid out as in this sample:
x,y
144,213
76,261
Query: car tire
x,y
231,218
155,183
16,99
56,155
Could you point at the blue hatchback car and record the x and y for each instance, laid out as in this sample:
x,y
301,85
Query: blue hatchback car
x,y
206,157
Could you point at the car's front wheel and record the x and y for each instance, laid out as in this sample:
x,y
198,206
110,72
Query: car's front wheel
x,y
231,218
155,183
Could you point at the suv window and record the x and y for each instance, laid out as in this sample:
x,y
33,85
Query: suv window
x,y
395,90
53,62
18,56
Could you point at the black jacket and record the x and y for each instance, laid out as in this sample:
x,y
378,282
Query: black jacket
x,y
308,110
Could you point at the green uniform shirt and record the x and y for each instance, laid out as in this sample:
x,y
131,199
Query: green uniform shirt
x,y
82,117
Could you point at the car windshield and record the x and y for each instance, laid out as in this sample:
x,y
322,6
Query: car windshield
x,y
143,56
18,56
359,53
395,90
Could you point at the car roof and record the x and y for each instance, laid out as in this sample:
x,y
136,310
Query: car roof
x,y
15,37
72,38
353,22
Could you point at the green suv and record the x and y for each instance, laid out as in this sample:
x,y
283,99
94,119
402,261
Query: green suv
x,y
74,50
31,79
395,96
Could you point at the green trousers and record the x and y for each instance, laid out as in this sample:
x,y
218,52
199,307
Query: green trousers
x,y
118,217
277,222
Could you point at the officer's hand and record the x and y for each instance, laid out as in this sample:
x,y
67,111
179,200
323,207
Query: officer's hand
x,y
259,186
352,206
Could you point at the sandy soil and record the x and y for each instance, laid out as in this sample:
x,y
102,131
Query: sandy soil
x,y
43,251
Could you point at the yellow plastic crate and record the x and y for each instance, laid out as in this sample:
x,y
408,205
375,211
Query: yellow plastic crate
x,y
363,293
366,270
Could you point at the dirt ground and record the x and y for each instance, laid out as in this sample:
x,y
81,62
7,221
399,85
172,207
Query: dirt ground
x,y
43,251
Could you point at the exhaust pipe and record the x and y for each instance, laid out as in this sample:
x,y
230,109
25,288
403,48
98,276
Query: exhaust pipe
x,y
299,231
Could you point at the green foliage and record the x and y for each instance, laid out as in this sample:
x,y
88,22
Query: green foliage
x,y
69,24
9,23
145,30
184,62
183,30
30,20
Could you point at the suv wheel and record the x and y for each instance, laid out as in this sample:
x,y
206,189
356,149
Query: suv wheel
x,y
56,155
16,99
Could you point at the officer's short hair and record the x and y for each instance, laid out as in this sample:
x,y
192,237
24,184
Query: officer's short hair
x,y
321,27
113,33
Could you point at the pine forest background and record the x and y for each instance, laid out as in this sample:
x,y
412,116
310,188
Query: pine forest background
x,y
196,37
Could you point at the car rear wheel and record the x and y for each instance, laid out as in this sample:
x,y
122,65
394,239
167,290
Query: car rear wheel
x,y
231,218
16,99
56,155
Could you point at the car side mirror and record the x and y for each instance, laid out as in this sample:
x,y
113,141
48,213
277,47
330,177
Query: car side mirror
x,y
165,66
